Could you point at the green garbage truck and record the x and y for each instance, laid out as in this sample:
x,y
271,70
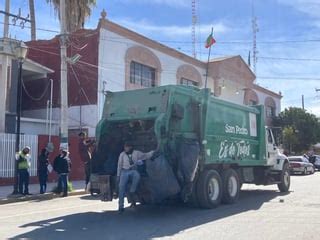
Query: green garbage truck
x,y
205,147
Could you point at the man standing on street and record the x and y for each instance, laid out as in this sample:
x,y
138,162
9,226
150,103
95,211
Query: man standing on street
x,y
85,154
43,162
24,163
62,165
127,170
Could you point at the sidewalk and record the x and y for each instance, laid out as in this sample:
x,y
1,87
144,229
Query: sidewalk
x,y
6,197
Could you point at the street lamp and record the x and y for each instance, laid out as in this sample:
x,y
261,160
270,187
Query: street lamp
x,y
21,53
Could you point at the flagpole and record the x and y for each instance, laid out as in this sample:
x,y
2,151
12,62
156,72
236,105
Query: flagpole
x,y
207,69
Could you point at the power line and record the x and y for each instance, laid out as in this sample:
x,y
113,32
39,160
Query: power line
x,y
292,59
291,78
40,29
190,42
233,41
115,65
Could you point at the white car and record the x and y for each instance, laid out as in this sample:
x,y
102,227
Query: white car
x,y
300,164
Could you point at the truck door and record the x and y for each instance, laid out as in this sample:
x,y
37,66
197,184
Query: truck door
x,y
271,148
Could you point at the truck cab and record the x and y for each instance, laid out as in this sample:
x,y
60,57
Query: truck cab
x,y
275,158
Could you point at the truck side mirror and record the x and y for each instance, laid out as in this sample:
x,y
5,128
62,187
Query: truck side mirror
x,y
177,111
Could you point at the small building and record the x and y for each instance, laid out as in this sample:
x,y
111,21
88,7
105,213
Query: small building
x,y
32,72
114,58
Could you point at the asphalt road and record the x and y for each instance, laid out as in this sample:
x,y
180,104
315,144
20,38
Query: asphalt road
x,y
261,213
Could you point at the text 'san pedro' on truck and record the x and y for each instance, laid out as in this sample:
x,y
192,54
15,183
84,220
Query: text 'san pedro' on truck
x,y
208,147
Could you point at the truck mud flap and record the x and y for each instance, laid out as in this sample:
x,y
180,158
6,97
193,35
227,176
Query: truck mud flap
x,y
188,155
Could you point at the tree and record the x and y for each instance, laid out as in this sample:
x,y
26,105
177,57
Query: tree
x,y
297,122
289,138
32,19
76,12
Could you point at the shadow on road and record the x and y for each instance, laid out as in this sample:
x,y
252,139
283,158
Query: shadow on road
x,y
145,222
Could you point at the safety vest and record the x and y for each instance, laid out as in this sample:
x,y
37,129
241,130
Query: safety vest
x,y
23,162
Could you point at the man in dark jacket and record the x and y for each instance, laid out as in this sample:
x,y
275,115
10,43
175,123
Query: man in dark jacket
x,y
62,166
85,154
43,162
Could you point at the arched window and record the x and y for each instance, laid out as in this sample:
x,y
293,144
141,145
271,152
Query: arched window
x,y
143,68
250,97
188,75
270,106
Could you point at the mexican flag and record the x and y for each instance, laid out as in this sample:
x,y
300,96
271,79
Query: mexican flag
x,y
210,41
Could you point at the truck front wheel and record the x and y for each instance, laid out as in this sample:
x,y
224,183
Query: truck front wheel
x,y
209,189
231,186
284,184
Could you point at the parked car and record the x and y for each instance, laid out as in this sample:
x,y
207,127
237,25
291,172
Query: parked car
x,y
315,160
300,164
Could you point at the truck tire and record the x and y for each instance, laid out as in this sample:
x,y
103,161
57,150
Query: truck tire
x,y
284,184
209,189
231,186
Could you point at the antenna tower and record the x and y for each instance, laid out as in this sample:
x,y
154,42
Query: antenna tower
x,y
194,22
255,29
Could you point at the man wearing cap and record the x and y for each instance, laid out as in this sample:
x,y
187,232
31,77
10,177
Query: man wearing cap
x,y
24,163
127,169
62,166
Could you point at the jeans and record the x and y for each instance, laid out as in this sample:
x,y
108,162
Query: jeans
x,y
63,183
125,176
23,181
87,171
43,177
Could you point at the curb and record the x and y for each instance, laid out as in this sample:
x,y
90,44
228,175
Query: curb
x,y
41,197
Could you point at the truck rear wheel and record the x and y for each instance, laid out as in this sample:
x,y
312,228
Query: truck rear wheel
x,y
209,189
284,184
231,186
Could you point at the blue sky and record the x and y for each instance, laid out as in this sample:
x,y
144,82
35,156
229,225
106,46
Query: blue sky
x,y
288,40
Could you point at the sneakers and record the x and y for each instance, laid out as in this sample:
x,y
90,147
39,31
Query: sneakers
x,y
133,205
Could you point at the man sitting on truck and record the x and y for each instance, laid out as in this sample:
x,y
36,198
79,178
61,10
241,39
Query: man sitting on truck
x,y
127,170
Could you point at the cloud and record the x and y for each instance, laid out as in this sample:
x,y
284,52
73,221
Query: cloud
x,y
172,31
310,7
170,3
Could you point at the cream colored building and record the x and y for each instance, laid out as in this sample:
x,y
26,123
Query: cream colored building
x,y
128,60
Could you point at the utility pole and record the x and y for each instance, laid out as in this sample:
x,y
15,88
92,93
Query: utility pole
x,y
6,20
32,20
302,101
4,72
63,78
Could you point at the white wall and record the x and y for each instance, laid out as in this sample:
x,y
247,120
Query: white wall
x,y
38,127
112,52
88,118
228,93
